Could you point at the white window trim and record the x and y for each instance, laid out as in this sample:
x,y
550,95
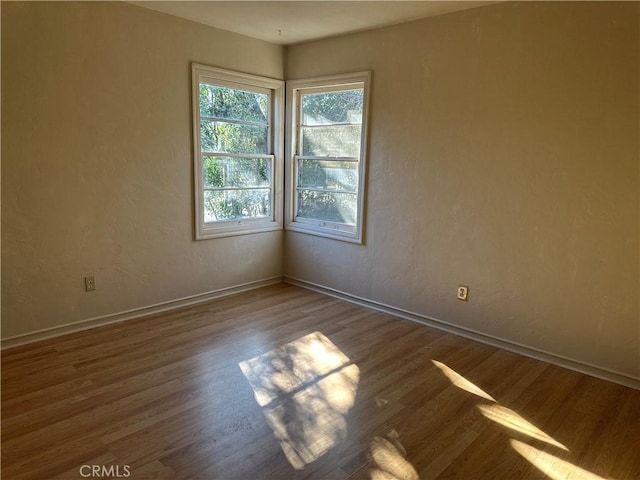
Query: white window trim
x,y
218,76
332,230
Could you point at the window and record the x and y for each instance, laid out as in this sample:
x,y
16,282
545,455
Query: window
x,y
237,151
327,155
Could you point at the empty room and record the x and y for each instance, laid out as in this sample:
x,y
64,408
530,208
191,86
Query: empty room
x,y
320,240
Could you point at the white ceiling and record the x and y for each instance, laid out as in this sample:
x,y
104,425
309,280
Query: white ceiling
x,y
287,22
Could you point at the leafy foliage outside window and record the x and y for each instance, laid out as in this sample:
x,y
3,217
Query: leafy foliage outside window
x,y
332,107
224,137
329,207
233,104
329,175
221,172
330,132
235,122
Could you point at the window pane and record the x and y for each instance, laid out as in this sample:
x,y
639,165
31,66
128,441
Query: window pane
x,y
333,141
236,172
232,104
332,107
233,138
328,174
236,204
330,207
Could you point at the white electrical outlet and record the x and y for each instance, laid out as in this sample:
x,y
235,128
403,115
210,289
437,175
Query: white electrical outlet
x,y
89,284
463,292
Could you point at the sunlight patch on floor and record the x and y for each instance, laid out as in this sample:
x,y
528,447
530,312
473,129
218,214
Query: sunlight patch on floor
x,y
461,382
510,419
502,415
553,467
306,388
388,458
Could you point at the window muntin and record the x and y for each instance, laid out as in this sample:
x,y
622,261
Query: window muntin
x,y
237,157
327,160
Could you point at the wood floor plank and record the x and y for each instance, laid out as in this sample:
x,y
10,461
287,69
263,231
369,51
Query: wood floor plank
x,y
622,440
167,397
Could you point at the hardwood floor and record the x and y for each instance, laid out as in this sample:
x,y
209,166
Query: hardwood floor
x,y
283,383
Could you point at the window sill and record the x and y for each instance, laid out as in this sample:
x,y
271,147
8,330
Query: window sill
x,y
235,230
326,232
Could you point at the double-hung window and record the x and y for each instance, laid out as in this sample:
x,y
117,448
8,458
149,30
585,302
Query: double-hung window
x,y
327,155
237,151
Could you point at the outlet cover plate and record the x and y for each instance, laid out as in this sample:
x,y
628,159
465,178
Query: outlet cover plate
x,y
89,284
463,292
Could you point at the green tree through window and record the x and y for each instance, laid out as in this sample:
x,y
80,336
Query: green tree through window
x,y
328,155
235,149
234,121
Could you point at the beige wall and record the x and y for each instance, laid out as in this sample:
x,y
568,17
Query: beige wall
x,y
503,155
97,165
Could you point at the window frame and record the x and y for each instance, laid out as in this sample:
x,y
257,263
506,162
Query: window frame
x,y
275,132
325,84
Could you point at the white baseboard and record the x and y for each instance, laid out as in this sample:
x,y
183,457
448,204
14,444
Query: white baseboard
x,y
578,366
134,313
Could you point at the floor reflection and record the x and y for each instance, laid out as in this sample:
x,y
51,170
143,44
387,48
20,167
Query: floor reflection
x,y
388,457
461,382
553,467
306,388
510,419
